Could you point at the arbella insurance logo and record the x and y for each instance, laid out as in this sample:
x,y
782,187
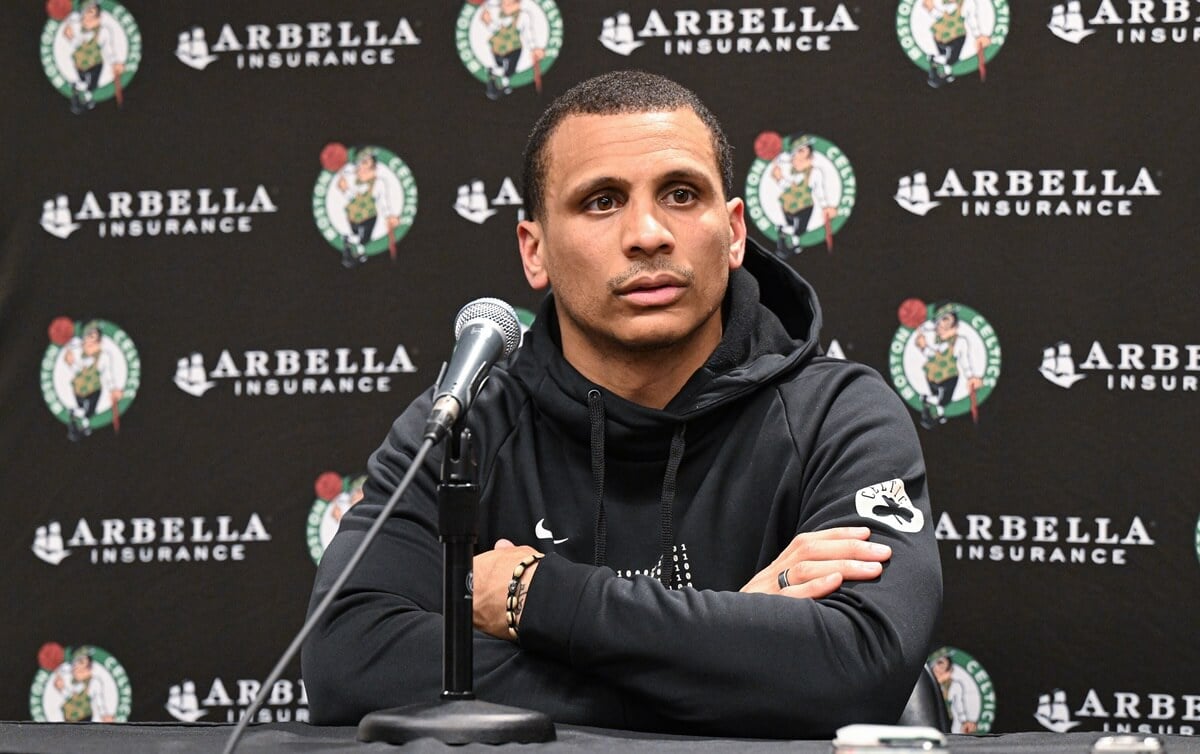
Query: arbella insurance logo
x,y
316,44
1028,193
800,190
1125,367
167,539
151,212
944,361
949,39
90,51
724,31
1139,712
364,201
1127,21
79,685
90,375
507,44
286,702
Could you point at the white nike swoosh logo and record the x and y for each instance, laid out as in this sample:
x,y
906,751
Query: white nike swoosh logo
x,y
541,532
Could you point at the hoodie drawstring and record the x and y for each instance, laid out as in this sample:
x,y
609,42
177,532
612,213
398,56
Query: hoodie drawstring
x,y
596,419
666,501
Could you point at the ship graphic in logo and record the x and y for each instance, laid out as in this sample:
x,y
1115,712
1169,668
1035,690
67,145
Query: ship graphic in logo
x,y
1058,365
1052,712
1066,23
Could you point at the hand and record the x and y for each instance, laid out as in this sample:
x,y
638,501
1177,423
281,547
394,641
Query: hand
x,y
393,222
117,395
777,173
69,357
920,341
486,17
341,184
538,54
982,43
974,383
58,682
830,213
68,31
493,572
819,561
118,69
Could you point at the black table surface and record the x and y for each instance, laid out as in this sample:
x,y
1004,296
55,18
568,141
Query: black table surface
x,y
174,738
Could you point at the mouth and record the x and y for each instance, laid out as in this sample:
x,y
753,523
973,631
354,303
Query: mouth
x,y
657,290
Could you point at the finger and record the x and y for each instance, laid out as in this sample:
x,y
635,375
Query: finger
x,y
815,589
503,543
805,538
850,570
834,549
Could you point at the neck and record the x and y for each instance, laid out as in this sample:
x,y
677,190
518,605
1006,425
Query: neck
x,y
649,377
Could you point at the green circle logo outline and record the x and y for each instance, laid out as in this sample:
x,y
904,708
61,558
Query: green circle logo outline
x,y
133,375
979,676
462,40
998,37
991,371
133,60
845,205
124,708
408,209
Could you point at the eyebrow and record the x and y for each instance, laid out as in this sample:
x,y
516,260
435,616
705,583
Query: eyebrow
x,y
684,175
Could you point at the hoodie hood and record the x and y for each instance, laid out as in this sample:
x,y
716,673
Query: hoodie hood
x,y
771,320
771,324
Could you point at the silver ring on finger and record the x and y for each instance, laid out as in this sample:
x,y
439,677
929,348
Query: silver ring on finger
x,y
783,579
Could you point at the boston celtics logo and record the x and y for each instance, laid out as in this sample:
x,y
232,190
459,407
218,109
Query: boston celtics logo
x,y
79,684
967,689
800,190
952,38
364,201
90,50
90,375
945,360
508,43
336,494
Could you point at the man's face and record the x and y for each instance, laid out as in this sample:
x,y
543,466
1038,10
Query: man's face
x,y
636,237
941,668
91,17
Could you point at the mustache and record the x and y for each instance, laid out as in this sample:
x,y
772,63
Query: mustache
x,y
642,267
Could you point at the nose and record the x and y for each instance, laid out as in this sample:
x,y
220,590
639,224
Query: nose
x,y
645,228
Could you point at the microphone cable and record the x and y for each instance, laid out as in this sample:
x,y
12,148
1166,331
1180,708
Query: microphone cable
x,y
319,612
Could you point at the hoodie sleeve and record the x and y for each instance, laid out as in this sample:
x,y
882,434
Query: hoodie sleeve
x,y
380,643
766,665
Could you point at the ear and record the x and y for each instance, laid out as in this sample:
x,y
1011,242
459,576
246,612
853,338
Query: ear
x,y
529,241
737,227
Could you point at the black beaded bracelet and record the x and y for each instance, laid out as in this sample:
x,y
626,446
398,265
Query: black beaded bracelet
x,y
513,586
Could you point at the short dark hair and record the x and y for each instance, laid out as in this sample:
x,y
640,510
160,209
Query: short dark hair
x,y
616,93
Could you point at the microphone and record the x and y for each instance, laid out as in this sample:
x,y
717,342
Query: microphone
x,y
485,330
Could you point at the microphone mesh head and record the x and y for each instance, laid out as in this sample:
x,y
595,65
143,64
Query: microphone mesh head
x,y
498,313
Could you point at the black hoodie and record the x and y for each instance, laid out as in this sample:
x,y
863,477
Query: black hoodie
x,y
768,439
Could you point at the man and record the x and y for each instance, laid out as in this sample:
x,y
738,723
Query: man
x,y
947,357
801,190
91,47
662,424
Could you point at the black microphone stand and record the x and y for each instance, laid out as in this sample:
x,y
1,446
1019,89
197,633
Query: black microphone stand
x,y
457,717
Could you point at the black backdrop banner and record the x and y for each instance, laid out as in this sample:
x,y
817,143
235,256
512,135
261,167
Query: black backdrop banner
x,y
234,237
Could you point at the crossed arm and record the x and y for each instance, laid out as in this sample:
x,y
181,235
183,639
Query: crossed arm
x,y
816,564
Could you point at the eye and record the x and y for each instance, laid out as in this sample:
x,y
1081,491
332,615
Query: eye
x,y
602,203
681,196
